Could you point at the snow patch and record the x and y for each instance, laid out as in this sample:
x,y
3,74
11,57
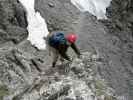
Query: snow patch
x,y
95,7
37,27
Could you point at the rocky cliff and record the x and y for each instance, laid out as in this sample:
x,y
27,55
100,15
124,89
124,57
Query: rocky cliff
x,y
120,14
104,72
109,41
120,24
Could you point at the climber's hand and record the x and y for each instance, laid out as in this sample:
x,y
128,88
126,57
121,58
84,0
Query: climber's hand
x,y
70,59
79,56
53,64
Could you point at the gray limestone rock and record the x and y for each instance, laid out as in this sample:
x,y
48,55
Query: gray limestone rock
x,y
27,74
13,21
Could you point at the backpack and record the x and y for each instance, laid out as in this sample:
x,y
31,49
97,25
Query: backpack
x,y
57,39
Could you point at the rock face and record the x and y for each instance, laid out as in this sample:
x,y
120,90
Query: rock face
x,y
60,14
120,24
13,21
121,15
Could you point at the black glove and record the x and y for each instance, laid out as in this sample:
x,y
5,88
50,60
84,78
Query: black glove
x,y
53,64
79,56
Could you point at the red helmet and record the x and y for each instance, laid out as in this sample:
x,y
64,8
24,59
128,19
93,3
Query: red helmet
x,y
71,37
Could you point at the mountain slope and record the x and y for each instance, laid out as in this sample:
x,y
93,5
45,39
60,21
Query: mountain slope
x,y
26,73
94,37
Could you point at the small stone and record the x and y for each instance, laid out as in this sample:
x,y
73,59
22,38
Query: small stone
x,y
75,22
68,99
51,4
79,98
77,69
107,97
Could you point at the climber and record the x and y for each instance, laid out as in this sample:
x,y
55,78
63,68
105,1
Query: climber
x,y
58,44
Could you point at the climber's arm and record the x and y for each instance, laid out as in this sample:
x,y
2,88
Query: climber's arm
x,y
74,47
